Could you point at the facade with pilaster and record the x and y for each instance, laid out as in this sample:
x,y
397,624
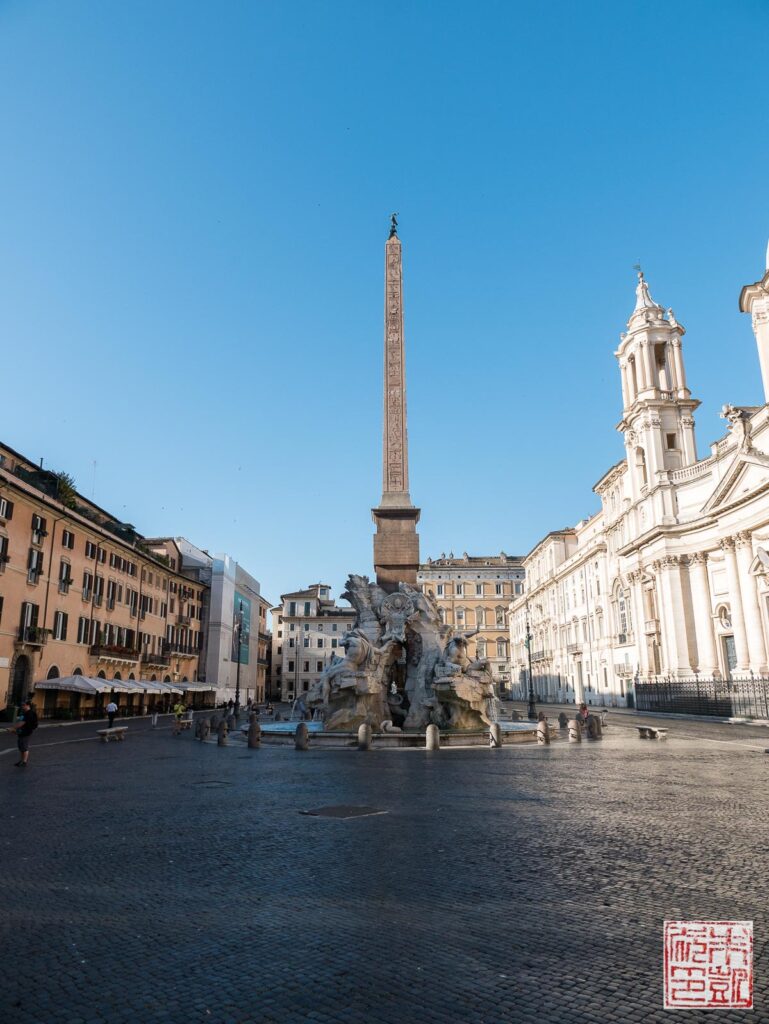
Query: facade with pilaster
x,y
669,578
473,594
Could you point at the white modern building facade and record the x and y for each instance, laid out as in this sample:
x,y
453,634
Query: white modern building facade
x,y
235,611
669,578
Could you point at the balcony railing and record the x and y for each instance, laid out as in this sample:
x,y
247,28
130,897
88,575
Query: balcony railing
x,y
33,635
538,655
185,649
161,660
652,626
623,671
114,651
574,648
182,620
64,585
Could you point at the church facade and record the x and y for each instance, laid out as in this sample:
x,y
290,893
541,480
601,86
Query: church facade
x,y
670,578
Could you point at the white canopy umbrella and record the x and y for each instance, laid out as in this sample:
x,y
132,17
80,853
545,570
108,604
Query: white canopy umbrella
x,y
196,688
83,684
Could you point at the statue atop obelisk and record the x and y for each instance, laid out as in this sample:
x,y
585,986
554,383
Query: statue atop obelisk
x,y
396,542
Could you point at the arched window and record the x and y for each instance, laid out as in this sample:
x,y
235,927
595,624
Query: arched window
x,y
166,679
102,674
153,679
640,461
53,672
132,676
184,679
117,676
77,671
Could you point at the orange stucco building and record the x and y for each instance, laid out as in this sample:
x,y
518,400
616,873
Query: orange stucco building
x,y
82,595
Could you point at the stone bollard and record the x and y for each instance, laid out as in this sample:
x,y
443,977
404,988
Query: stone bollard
x,y
543,732
563,721
254,732
432,738
495,736
575,730
364,736
301,737
205,729
221,737
232,723
515,716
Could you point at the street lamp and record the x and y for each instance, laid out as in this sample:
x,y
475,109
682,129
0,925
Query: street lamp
x,y
239,628
532,714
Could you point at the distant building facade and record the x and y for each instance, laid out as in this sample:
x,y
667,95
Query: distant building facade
x,y
82,594
234,608
669,578
473,594
307,629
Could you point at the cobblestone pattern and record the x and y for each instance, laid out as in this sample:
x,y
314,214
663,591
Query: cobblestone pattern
x,y
162,880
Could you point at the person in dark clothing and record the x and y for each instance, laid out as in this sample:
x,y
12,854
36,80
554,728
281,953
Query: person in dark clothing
x,y
24,730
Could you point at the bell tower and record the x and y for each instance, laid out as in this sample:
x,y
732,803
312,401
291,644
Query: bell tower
x,y
754,299
657,406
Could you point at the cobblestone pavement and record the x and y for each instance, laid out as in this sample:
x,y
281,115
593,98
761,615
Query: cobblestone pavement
x,y
161,880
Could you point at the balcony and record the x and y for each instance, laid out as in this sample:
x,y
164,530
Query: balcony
x,y
538,655
64,585
574,648
159,660
33,636
623,671
113,652
185,650
651,626
182,620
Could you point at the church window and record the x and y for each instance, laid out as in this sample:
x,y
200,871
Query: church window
x,y
671,441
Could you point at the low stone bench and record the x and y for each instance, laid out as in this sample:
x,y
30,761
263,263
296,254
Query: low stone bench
x,y
650,732
118,733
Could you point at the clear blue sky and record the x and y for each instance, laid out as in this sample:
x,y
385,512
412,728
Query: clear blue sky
x,y
195,200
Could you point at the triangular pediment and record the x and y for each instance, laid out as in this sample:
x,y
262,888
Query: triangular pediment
x,y
748,473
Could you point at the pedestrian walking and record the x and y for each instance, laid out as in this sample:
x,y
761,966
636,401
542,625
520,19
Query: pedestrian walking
x,y
24,730
111,710
179,710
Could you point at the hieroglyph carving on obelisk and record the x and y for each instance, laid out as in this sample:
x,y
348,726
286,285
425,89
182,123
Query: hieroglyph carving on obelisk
x,y
395,455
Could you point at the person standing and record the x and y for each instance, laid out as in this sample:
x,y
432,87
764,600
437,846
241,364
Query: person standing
x,y
111,712
24,730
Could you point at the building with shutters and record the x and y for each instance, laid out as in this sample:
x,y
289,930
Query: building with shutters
x,y
473,594
81,594
307,630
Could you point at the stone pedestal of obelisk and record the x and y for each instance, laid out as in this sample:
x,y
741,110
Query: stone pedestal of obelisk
x,y
396,541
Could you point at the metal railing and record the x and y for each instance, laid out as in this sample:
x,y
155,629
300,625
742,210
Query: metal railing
x,y
114,651
33,635
738,697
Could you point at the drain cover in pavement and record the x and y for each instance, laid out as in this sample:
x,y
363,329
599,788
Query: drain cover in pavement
x,y
343,811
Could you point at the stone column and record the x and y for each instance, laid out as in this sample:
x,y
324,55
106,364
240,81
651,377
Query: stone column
x,y
707,660
735,602
639,620
649,368
678,366
626,399
674,631
752,613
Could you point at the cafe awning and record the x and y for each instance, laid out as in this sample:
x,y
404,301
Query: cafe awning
x,y
83,684
197,687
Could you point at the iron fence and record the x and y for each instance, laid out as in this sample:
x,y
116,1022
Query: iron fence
x,y
738,697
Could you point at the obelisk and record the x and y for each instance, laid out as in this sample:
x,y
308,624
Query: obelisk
x,y
396,541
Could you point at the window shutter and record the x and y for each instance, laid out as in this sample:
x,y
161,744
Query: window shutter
x,y
42,525
23,619
33,615
8,509
64,621
31,558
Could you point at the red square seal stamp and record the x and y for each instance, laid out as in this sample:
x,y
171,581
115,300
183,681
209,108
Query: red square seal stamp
x,y
708,964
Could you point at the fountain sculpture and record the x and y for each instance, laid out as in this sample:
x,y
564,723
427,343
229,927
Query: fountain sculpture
x,y
402,667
